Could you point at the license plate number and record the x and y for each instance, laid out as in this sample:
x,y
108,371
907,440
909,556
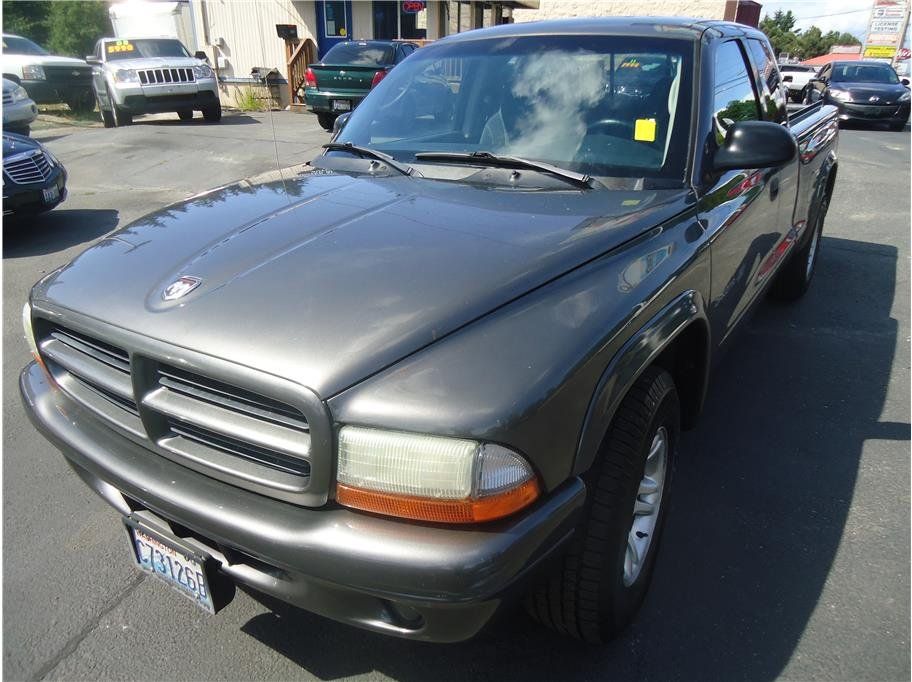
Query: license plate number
x,y
180,569
341,105
51,194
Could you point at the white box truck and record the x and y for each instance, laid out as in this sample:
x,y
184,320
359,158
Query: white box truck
x,y
151,19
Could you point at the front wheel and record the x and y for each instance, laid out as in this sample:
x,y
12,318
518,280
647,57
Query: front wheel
x,y
81,102
185,114
795,277
897,125
607,570
213,113
121,116
107,118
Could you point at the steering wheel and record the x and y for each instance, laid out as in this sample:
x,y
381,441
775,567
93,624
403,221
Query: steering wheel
x,y
613,126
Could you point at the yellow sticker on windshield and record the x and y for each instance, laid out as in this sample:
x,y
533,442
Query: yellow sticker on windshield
x,y
119,46
645,130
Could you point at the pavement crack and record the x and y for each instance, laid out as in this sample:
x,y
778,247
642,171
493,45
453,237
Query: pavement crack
x,y
73,642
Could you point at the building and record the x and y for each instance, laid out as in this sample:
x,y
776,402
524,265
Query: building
x,y
837,53
241,36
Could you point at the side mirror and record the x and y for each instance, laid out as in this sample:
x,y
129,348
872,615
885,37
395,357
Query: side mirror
x,y
339,123
755,144
92,59
904,81
202,56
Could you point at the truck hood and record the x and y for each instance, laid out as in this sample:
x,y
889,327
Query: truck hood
x,y
41,60
153,63
330,278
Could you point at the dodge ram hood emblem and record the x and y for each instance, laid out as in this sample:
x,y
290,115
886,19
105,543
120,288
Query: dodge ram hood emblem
x,y
181,287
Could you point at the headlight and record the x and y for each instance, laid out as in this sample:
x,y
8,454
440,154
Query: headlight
x,y
126,76
202,71
841,95
905,96
19,94
431,478
33,72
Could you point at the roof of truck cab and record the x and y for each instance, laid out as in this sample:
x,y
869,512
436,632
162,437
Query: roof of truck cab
x,y
674,27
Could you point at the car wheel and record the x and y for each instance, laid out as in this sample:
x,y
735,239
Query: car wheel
x,y
185,114
121,117
897,125
607,570
326,121
795,277
107,118
213,113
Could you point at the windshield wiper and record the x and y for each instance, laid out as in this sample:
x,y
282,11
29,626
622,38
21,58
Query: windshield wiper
x,y
368,153
489,159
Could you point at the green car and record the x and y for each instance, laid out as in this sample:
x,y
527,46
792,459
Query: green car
x,y
347,72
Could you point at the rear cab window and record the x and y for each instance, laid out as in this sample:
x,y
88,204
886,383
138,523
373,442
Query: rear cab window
x,y
359,54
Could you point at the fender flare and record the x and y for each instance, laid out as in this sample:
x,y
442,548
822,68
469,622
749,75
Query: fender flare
x,y
638,353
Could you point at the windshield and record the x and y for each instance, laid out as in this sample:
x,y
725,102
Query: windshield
x,y
601,105
17,45
359,54
145,47
863,73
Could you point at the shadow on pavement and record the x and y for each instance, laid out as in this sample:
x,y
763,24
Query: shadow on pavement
x,y
228,119
763,491
54,231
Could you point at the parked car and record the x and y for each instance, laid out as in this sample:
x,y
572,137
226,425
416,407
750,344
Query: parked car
x,y
448,366
48,79
347,72
34,181
796,77
18,108
863,91
151,75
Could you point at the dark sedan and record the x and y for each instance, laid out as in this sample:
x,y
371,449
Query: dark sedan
x,y
349,71
864,91
34,181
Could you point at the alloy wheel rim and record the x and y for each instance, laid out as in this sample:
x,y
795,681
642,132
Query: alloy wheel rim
x,y
646,506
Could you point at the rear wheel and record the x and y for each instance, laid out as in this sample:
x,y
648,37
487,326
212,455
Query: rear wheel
x,y
185,114
795,277
213,113
607,570
326,121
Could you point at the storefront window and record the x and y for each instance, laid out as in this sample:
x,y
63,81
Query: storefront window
x,y
334,19
405,19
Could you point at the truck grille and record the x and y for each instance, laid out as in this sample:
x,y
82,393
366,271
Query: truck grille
x,y
230,432
69,75
163,76
7,98
29,167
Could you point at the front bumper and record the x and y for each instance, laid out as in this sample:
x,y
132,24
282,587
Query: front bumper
x,y
29,199
54,92
153,99
19,115
887,113
407,579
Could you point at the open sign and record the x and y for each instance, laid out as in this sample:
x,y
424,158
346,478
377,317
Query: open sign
x,y
413,6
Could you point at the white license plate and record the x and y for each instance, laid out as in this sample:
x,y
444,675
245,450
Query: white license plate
x,y
51,194
180,569
341,105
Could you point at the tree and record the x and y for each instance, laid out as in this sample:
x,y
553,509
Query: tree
x,y
784,37
26,18
74,27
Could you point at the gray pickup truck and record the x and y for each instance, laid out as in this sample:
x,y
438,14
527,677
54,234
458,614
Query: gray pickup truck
x,y
443,368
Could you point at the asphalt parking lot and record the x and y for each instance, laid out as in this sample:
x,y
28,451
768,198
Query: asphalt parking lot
x,y
787,549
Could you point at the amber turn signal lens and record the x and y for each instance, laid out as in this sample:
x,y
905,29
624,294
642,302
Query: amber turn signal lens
x,y
440,510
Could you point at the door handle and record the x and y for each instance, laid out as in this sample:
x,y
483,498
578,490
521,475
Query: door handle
x,y
774,187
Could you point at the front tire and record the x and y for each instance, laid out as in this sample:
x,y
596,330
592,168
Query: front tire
x,y
794,279
185,114
107,118
121,116
896,126
606,572
213,113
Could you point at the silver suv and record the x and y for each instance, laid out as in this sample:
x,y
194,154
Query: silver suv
x,y
134,76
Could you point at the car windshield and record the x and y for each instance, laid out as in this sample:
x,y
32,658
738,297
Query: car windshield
x,y
359,54
863,73
144,47
18,45
601,105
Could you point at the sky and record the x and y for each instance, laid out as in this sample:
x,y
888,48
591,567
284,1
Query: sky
x,y
827,15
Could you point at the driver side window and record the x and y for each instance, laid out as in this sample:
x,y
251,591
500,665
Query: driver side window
x,y
734,98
